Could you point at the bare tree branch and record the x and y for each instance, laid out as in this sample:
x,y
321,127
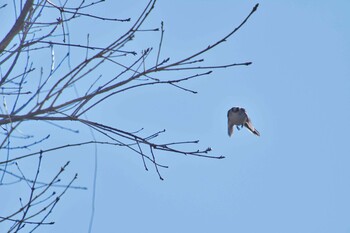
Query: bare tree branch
x,y
46,76
17,27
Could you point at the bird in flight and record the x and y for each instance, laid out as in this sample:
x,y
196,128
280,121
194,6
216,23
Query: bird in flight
x,y
238,117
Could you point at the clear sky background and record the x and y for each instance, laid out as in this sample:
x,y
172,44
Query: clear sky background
x,y
294,178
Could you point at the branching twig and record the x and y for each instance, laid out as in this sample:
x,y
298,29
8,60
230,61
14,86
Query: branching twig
x,y
41,89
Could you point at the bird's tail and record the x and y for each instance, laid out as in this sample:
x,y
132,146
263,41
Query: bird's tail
x,y
230,130
249,126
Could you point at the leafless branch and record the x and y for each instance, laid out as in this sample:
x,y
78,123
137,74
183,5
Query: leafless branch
x,y
41,68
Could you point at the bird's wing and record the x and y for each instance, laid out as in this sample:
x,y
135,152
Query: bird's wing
x,y
248,124
228,113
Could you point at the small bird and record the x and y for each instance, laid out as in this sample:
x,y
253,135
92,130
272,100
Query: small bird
x,y
238,116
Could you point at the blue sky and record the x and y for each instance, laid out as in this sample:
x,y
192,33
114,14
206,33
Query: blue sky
x,y
294,178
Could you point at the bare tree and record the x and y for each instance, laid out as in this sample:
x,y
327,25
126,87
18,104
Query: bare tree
x,y
61,92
